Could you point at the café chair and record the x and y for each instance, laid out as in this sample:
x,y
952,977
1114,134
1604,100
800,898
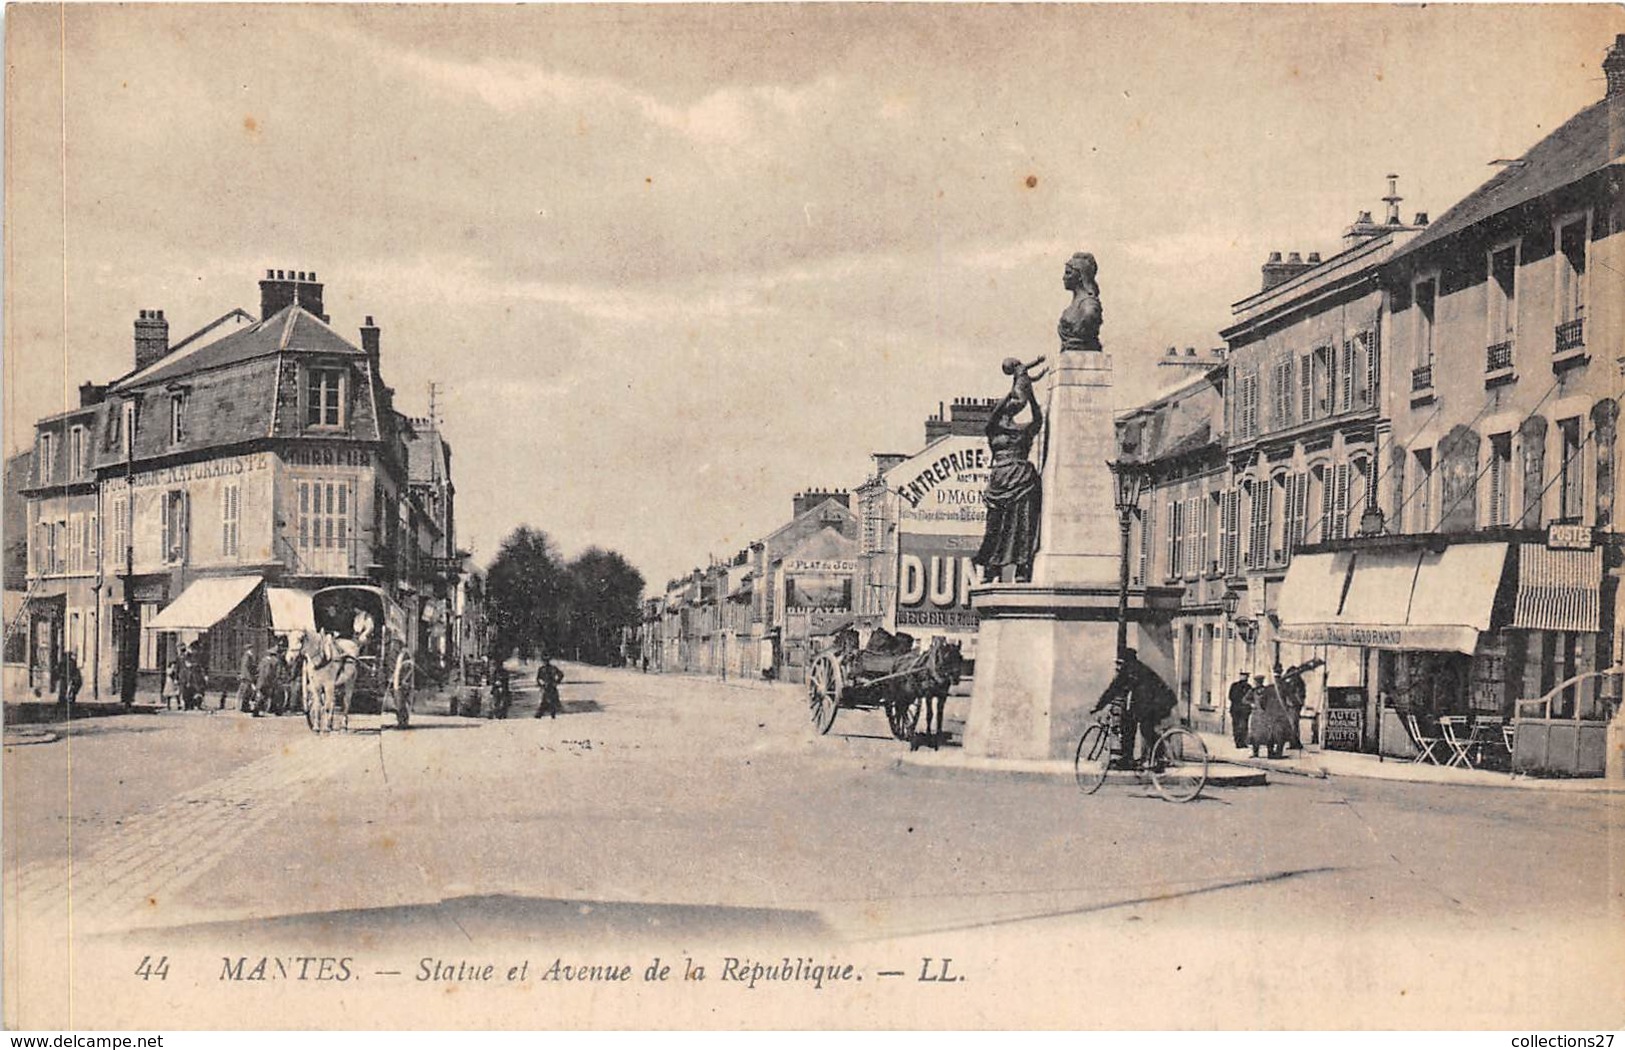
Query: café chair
x,y
1423,742
1459,737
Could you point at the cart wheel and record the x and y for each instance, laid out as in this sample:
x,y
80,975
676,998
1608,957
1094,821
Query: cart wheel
x,y
404,678
902,716
1093,759
823,691
1179,765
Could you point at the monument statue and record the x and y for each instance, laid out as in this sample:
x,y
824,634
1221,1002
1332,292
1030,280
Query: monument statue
x,y
1079,327
1014,493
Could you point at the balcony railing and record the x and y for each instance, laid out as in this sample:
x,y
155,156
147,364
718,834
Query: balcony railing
x,y
1498,356
1422,378
1571,335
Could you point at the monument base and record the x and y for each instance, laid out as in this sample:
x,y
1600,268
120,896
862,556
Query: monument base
x,y
1044,655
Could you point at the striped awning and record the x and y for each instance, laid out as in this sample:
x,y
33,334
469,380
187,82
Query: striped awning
x,y
1558,590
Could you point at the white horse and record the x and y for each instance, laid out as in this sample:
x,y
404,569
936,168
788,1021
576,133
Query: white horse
x,y
330,670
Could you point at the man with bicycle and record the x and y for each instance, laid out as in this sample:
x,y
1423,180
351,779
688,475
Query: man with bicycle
x,y
1146,701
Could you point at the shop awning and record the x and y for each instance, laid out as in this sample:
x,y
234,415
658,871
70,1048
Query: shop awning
x,y
290,609
205,603
1431,601
1558,590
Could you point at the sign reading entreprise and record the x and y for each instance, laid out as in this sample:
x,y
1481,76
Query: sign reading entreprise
x,y
940,490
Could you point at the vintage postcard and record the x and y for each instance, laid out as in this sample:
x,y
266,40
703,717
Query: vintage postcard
x,y
837,516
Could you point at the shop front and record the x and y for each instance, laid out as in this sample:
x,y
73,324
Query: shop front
x,y
1429,643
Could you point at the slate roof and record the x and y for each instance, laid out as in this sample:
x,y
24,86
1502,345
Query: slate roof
x,y
291,328
1576,149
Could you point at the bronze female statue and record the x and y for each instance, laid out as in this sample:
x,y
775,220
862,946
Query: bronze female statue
x,y
1014,494
1080,321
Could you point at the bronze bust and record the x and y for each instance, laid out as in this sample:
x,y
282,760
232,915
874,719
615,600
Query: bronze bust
x,y
1079,327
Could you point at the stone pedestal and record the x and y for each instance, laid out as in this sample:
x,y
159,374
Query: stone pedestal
x,y
1078,537
1043,657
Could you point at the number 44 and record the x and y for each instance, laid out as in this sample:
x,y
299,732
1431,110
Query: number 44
x,y
149,969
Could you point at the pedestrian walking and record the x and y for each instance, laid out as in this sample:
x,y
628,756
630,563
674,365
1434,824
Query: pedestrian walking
x,y
548,678
268,687
246,668
70,680
1293,694
1240,707
1267,725
172,683
194,683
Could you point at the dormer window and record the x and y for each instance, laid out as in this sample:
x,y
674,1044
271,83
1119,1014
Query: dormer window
x,y
177,417
47,458
76,453
324,397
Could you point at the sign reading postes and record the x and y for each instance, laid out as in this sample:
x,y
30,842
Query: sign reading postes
x,y
1344,727
1569,537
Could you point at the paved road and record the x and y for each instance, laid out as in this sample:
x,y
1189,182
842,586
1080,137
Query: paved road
x,y
694,819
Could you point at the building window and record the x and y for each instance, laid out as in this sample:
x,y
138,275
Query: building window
x,y
1503,299
1422,497
230,513
1425,294
1498,500
1258,543
1297,512
1176,539
1281,392
1345,378
1306,387
172,526
1323,381
75,543
1282,488
1334,502
128,437
177,417
1571,476
324,397
47,458
76,453
1214,553
1571,284
324,515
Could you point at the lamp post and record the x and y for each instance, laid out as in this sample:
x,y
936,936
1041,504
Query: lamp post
x,y
1246,627
1126,495
129,642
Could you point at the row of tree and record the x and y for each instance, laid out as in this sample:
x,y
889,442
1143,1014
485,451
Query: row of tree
x,y
576,609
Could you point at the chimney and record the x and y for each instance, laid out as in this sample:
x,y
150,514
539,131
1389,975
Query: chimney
x,y
1278,272
91,394
151,337
1393,200
1613,69
281,288
369,338
1314,259
1421,219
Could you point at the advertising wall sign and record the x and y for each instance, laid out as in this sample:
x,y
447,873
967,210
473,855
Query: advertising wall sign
x,y
934,578
940,490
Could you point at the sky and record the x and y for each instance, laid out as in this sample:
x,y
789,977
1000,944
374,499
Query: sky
x,y
670,266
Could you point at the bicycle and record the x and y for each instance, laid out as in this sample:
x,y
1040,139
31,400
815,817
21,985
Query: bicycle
x,y
1177,764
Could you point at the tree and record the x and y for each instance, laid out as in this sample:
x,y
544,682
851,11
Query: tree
x,y
527,594
608,593
536,602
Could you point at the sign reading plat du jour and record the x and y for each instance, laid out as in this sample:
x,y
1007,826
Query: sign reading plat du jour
x,y
228,466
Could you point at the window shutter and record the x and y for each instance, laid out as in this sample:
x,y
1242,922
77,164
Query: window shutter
x,y
1232,530
1145,542
1348,375
185,532
1204,558
163,526
1340,503
1174,540
225,520
1306,387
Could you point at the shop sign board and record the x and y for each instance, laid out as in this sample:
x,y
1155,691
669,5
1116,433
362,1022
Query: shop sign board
x,y
940,490
1344,728
934,578
1568,537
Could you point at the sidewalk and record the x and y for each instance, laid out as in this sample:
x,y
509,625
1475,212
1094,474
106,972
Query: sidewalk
x,y
1322,764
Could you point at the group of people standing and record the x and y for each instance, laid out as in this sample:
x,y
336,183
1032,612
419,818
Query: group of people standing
x,y
1266,714
267,684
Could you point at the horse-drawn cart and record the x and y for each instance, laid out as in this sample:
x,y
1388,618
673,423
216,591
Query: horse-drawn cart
x,y
888,673
363,644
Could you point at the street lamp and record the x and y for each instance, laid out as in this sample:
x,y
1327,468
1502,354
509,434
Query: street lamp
x,y
1245,626
1129,481
130,640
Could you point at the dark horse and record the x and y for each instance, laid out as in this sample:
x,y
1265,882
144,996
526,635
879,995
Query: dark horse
x,y
939,669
